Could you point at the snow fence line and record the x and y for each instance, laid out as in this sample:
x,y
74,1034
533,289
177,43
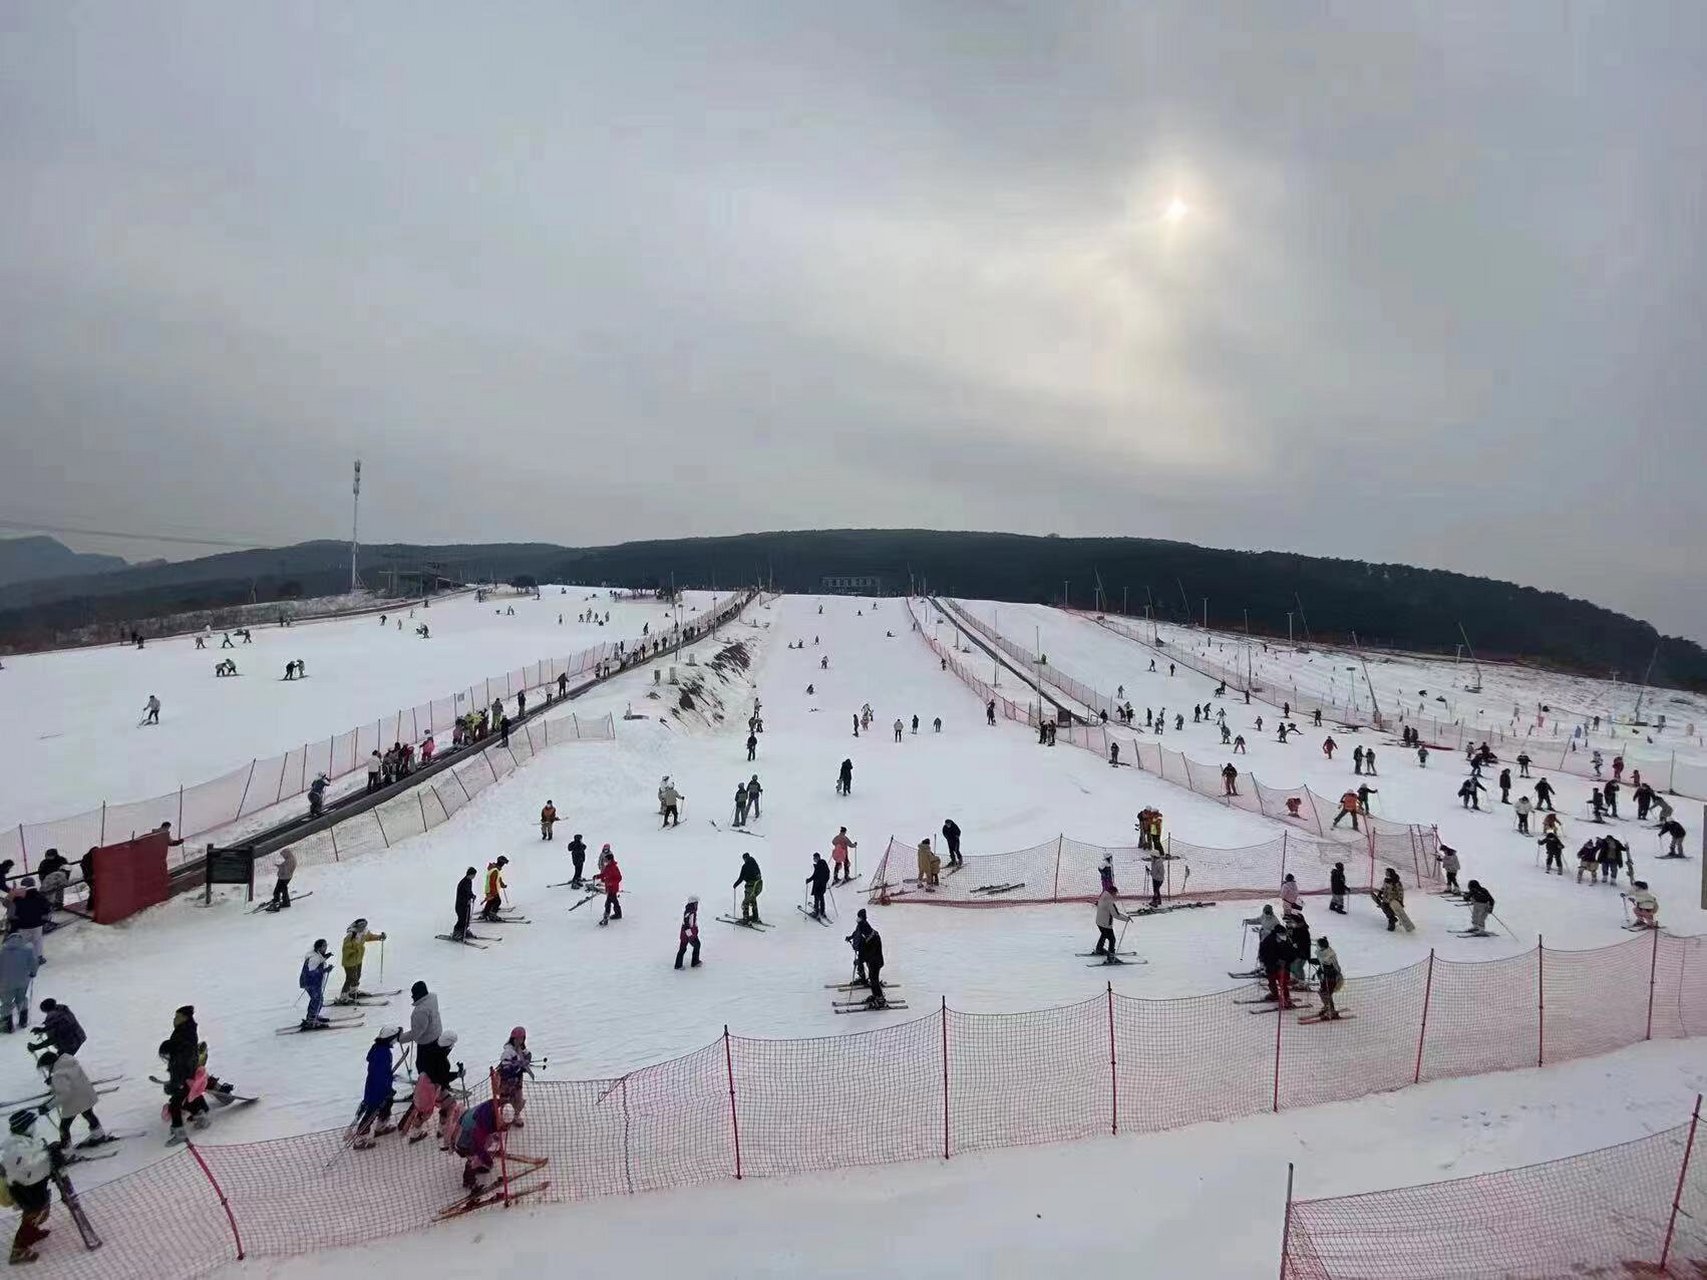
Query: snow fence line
x,y
1408,846
954,1082
200,811
1663,771
1648,1218
1068,870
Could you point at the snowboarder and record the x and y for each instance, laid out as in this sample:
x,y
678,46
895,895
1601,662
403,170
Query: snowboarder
x,y
547,820
1390,897
751,884
464,904
839,846
1107,912
28,1166
818,882
754,791
1481,907
1336,889
312,979
951,837
151,710
493,902
671,800
688,937
377,1099
844,779
609,878
350,957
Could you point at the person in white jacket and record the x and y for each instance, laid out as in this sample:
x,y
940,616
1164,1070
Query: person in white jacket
x,y
27,1165
74,1096
1107,912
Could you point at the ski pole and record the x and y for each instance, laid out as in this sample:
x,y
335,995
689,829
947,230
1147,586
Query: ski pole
x,y
382,959
1123,929
1504,926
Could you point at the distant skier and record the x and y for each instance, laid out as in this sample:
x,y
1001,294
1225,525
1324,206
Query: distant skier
x,y
898,728
844,779
752,745
547,820
312,979
1336,889
688,937
151,710
1523,763
281,885
578,858
990,712
818,883
609,878
751,883
464,904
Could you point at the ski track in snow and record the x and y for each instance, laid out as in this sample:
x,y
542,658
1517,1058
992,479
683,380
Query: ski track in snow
x,y
602,1001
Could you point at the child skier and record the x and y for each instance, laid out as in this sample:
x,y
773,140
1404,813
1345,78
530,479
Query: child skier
x,y
377,1097
609,878
27,1165
688,937
312,979
515,1064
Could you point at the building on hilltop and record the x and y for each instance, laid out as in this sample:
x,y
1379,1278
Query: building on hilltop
x,y
852,584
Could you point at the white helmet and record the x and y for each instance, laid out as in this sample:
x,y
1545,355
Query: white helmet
x,y
448,1040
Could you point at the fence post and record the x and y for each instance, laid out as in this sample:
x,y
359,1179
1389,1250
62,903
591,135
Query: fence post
x,y
1540,1001
1682,1173
380,823
240,800
734,1120
1113,1070
104,823
180,810
1653,968
1286,1222
333,832
1055,893
236,1236
1422,1032
420,799
945,1077
1279,1021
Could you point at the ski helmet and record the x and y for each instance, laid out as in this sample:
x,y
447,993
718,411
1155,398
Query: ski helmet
x,y
448,1040
389,1033
518,1033
503,861
320,944
606,848
24,1119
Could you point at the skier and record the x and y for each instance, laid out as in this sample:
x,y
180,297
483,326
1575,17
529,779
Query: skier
x,y
312,979
377,1097
1450,864
1469,792
839,846
578,857
476,1137
688,937
515,1064
1357,760
856,939
609,878
818,880
1349,808
898,727
1643,796
1610,794
1229,780
74,1096
1274,954
1523,763
1555,848
151,710
1107,912
752,745
354,951
547,820
1588,858
844,779
27,1164
492,904
1328,743
1330,977
754,791
1390,897
59,1029
1422,757
1544,794
1523,808
1505,786
1597,804
751,884
929,865
871,953
1673,831
1597,761
1645,904
951,837
182,1051
464,904
317,796
990,712
741,804
1158,866
671,800
1481,907
1610,857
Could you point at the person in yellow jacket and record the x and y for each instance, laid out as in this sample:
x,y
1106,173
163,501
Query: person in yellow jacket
x,y
356,938
929,865
495,887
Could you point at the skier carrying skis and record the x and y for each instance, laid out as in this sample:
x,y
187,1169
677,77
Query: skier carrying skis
x,y
493,903
751,884
688,937
515,1064
818,881
951,837
839,846
377,1099
464,905
1107,912
74,1096
312,979
281,884
609,878
547,820
1481,907
27,1163
353,952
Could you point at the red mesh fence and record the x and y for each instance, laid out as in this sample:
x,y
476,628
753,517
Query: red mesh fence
x,y
222,809
951,1082
1629,1210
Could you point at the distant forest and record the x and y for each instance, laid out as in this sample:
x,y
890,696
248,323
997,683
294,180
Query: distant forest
x,y
1386,605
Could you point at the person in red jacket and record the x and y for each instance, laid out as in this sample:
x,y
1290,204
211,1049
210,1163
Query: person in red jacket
x,y
1328,745
609,876
689,936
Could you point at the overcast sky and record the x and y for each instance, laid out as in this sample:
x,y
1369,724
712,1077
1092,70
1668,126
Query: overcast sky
x,y
586,273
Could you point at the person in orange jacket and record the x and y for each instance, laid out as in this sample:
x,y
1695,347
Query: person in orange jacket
x,y
1350,805
495,887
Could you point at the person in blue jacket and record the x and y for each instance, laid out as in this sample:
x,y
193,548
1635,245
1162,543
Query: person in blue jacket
x,y
377,1093
315,966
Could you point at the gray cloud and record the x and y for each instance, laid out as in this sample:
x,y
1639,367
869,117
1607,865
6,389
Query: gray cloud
x,y
668,270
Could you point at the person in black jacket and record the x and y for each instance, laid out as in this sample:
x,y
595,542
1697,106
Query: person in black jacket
x,y
29,915
464,904
578,853
951,837
1336,886
59,1029
856,939
819,880
1481,907
872,953
751,884
1274,954
181,1050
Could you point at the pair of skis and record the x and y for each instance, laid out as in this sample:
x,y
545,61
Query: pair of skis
x,y
479,941
1169,906
757,926
269,907
506,1191
992,890
815,919
861,1006
36,1099
1101,958
325,1024
365,998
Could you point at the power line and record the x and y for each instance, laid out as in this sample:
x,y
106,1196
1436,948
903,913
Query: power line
x,y
32,527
